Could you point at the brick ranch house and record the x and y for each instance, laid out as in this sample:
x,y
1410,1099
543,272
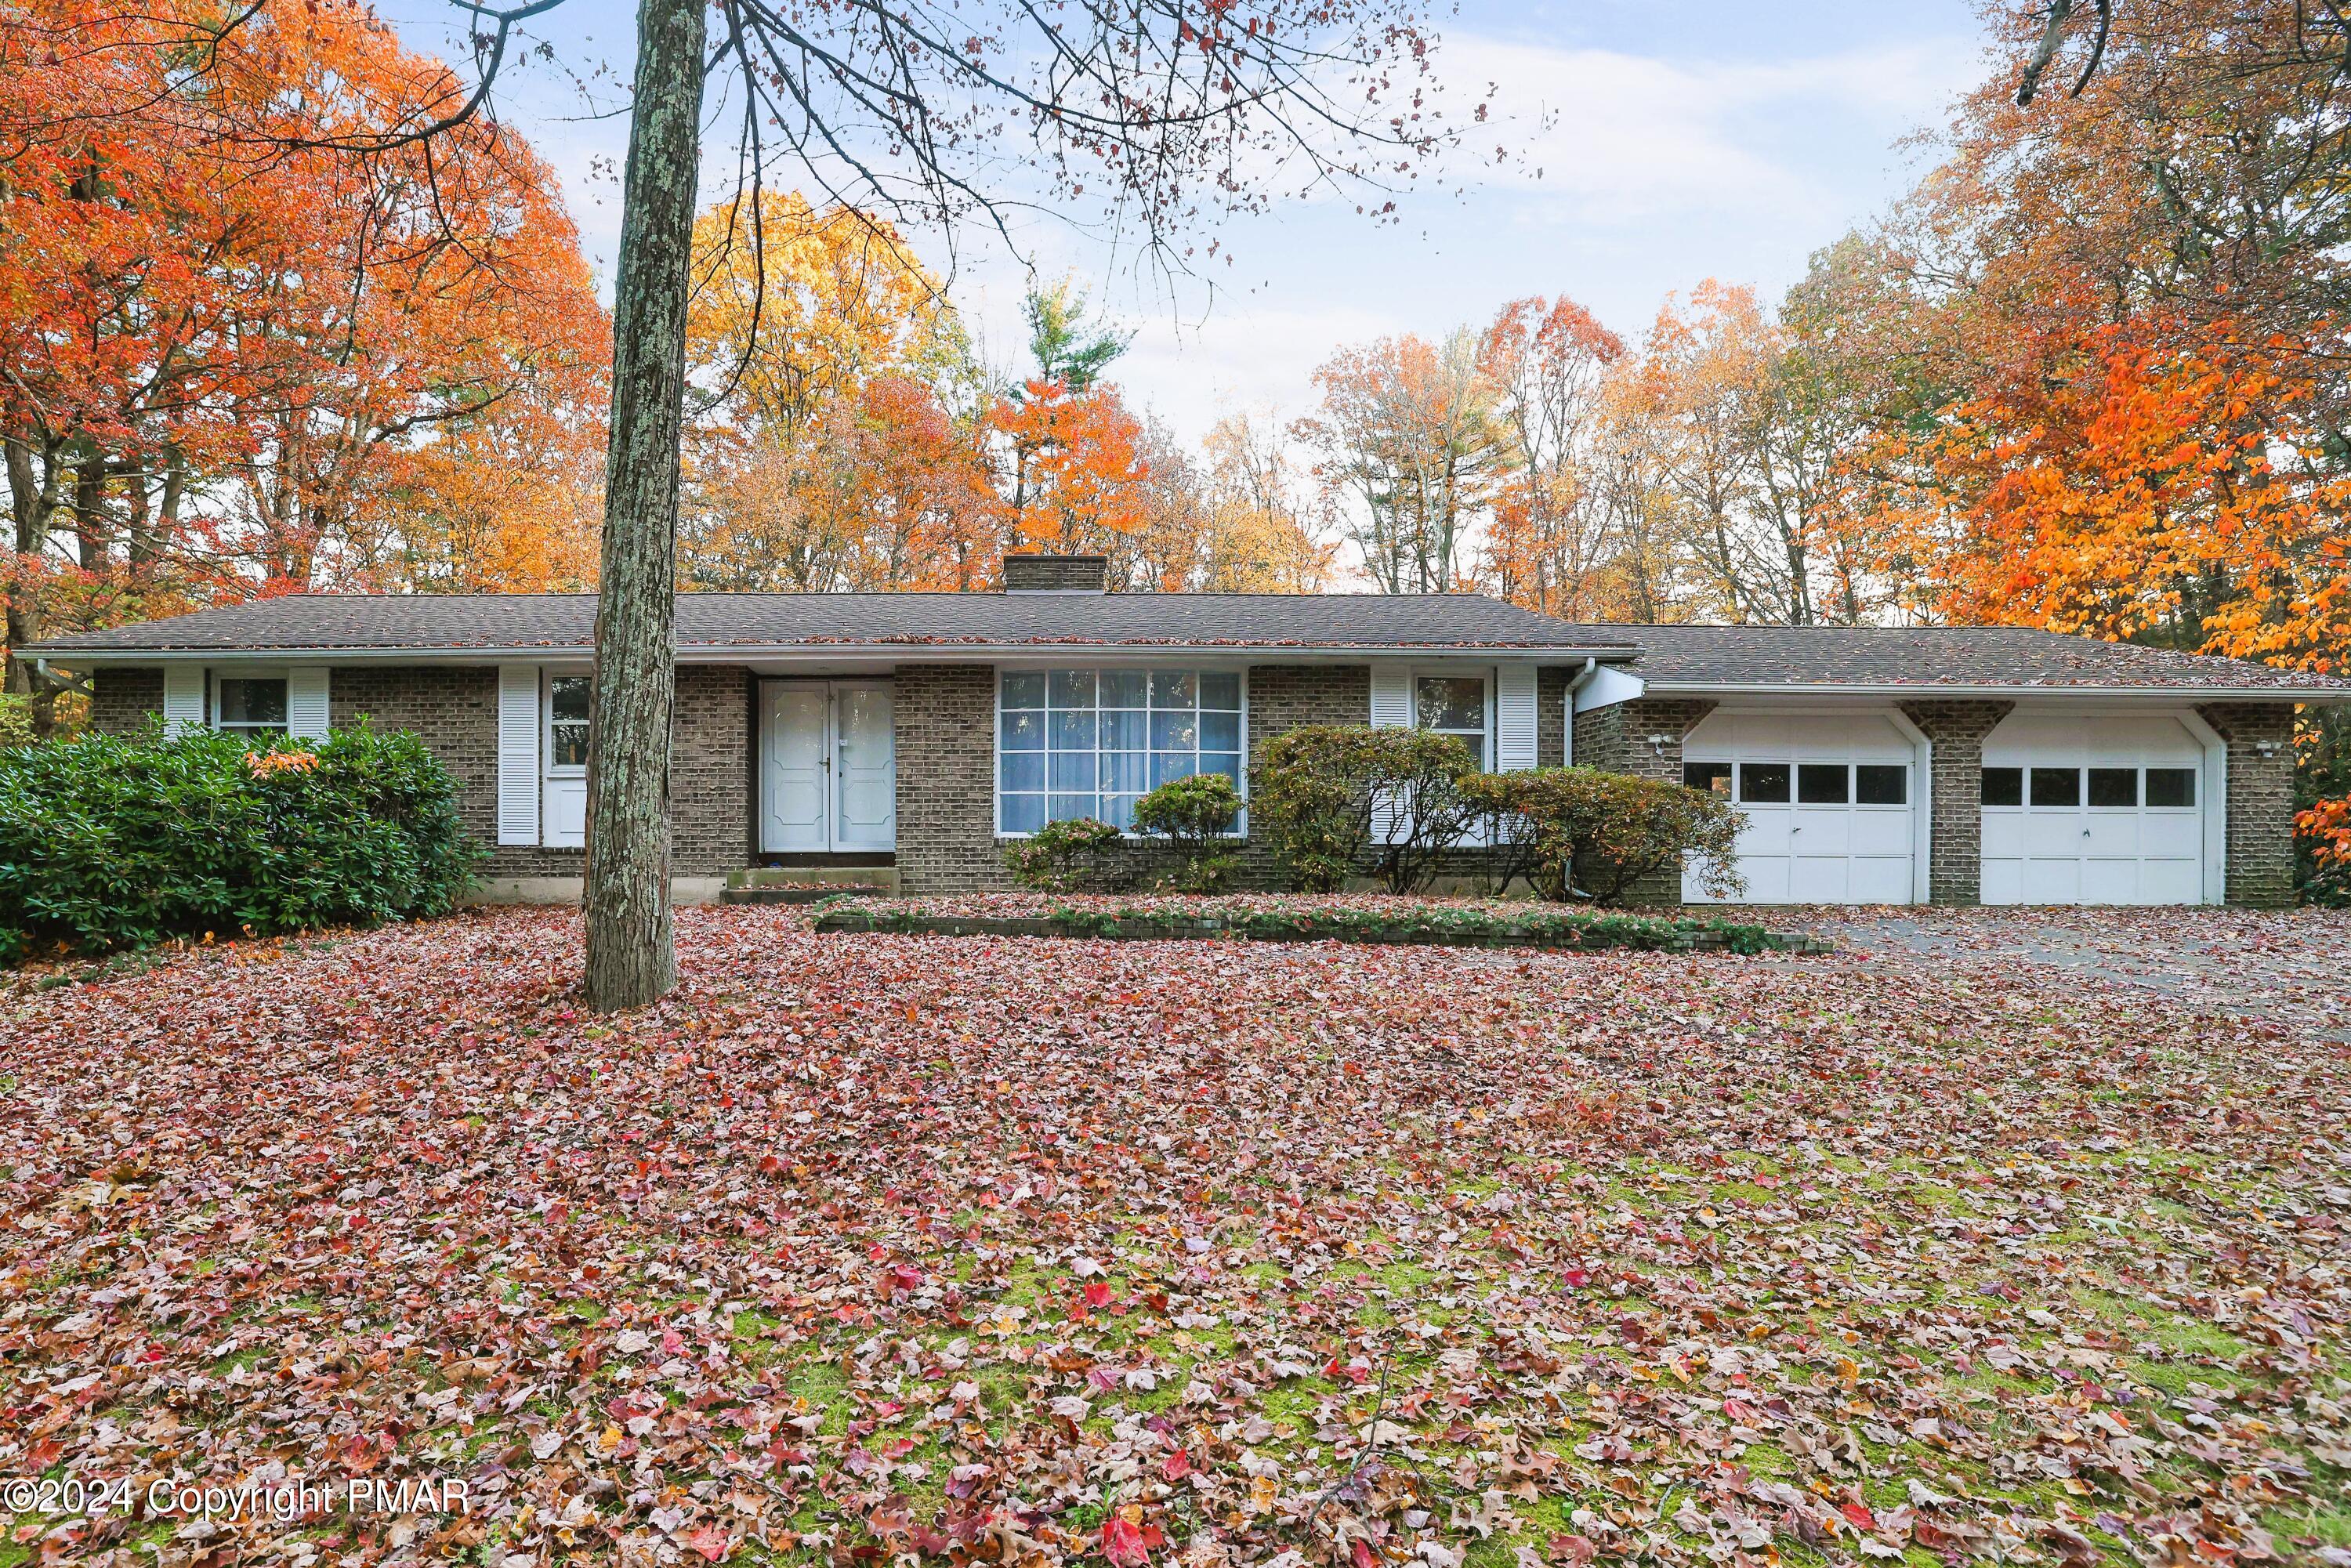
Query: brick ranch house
x,y
913,734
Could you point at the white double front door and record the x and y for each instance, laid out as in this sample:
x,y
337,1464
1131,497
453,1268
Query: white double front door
x,y
828,770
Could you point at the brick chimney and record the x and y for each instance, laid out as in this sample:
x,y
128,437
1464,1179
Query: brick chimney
x,y
1030,573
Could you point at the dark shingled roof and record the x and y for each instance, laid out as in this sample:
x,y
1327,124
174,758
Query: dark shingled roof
x,y
1937,656
304,622
1670,657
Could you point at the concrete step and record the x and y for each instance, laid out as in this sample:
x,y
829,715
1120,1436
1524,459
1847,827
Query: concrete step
x,y
860,877
789,894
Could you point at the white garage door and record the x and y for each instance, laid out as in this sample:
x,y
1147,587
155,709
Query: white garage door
x,y
1829,804
2093,811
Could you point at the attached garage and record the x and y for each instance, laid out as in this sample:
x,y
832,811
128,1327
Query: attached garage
x,y
1835,804
2116,809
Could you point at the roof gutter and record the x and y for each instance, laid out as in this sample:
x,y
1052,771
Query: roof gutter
x,y
903,653
2326,695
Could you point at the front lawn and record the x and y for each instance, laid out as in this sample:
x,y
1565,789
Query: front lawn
x,y
865,1248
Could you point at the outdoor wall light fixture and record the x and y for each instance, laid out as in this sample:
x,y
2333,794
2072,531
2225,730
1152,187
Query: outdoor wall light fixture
x,y
1657,744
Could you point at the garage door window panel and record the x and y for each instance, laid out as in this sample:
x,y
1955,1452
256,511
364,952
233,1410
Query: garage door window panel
x,y
2056,787
2003,786
1712,777
2114,789
1881,784
1822,784
2170,788
1763,783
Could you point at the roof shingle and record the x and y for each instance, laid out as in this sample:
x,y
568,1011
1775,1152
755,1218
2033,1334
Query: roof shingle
x,y
1679,657
326,622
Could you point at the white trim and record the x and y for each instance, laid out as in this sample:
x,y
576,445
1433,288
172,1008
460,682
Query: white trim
x,y
1922,809
1222,666
1205,655
2022,693
2215,784
1605,686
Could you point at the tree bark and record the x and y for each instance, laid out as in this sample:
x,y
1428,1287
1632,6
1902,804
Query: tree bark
x,y
629,960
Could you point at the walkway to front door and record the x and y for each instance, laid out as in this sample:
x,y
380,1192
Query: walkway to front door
x,y
828,767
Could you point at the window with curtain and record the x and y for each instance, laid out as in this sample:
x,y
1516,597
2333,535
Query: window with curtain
x,y
1088,742
1456,706
250,704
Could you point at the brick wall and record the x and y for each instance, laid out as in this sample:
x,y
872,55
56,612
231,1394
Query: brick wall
x,y
945,720
2260,800
455,711
124,699
1955,862
1550,715
1617,737
1280,698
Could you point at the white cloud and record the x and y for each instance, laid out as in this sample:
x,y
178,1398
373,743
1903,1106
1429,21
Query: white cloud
x,y
1622,138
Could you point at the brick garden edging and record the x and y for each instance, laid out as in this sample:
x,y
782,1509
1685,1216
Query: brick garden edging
x,y
1549,931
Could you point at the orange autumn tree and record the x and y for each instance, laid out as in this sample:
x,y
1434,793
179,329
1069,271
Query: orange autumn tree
x,y
840,447
1077,468
232,359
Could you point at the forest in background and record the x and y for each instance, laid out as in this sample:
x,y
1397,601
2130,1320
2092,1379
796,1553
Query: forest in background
x,y
2088,374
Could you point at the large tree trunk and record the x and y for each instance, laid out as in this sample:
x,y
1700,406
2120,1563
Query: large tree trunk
x,y
629,958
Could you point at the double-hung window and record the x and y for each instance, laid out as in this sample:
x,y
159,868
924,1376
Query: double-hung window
x,y
1457,706
1087,742
567,725
249,704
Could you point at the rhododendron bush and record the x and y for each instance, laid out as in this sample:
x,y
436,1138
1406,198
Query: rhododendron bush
x,y
110,841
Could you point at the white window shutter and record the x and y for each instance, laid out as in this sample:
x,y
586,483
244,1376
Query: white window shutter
x,y
518,754
184,698
306,700
1391,696
1514,717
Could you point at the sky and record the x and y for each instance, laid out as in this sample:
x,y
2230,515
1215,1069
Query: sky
x,y
1677,140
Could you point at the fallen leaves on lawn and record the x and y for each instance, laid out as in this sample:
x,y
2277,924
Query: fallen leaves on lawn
x,y
1019,1252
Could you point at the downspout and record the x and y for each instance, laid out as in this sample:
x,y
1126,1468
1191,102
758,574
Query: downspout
x,y
1581,678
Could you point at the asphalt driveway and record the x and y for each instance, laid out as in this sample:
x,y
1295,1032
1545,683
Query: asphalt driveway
x,y
2291,968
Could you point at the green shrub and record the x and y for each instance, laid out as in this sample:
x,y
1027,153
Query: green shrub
x,y
1339,800
1193,815
1583,832
1076,855
120,841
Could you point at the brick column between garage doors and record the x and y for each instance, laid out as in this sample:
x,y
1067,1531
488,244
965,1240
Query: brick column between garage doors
x,y
1955,862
